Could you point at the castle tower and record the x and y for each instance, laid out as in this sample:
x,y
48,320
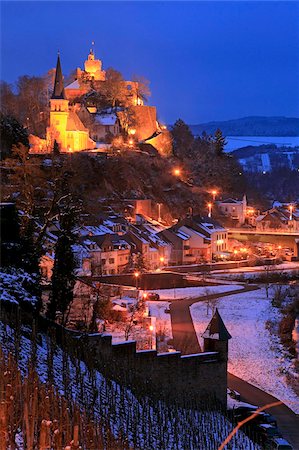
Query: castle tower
x,y
59,108
216,337
93,67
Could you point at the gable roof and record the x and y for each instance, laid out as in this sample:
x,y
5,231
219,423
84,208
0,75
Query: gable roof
x,y
230,200
216,329
74,123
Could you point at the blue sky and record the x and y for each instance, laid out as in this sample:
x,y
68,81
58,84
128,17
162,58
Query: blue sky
x,y
205,60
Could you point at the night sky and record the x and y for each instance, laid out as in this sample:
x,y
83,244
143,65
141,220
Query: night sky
x,y
205,60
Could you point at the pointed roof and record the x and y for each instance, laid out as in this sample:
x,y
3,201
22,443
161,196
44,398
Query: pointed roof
x,y
216,329
58,90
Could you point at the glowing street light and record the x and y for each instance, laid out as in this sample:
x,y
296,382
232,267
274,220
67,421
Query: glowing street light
x,y
136,275
162,259
132,131
177,172
214,193
209,209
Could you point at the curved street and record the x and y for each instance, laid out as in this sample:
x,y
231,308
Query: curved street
x,y
185,340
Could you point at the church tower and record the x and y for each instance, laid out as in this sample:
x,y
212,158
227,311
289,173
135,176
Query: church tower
x,y
59,108
65,125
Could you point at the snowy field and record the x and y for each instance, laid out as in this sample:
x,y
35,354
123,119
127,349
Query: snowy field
x,y
193,292
254,355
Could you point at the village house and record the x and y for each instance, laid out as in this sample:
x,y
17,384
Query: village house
x,y
234,209
281,218
146,241
195,240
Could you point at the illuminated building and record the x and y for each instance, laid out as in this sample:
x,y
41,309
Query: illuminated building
x,y
65,125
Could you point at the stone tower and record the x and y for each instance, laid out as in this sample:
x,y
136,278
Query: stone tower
x,y
93,67
216,337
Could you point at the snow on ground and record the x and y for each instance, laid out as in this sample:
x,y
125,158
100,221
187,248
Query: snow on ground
x,y
254,355
193,292
256,270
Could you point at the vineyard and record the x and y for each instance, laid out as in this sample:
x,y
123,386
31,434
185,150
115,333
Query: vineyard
x,y
52,400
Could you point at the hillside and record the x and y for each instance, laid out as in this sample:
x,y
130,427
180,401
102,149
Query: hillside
x,y
103,180
252,126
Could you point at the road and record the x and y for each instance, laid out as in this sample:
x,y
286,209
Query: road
x,y
287,420
185,340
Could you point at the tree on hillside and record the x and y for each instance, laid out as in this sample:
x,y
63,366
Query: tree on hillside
x,y
219,142
63,277
140,264
142,90
32,101
10,236
56,148
7,99
182,138
114,88
11,133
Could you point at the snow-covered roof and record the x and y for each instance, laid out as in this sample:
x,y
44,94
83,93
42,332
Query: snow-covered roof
x,y
106,119
94,230
74,85
231,200
182,235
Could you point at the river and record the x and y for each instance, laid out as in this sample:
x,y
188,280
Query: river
x,y
234,142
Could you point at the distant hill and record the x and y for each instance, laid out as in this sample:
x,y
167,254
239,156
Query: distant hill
x,y
252,126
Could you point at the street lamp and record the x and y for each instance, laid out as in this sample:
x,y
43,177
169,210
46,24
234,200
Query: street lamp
x,y
177,172
159,212
214,193
136,275
162,259
209,209
291,208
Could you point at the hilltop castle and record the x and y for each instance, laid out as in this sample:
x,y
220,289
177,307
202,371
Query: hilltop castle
x,y
77,125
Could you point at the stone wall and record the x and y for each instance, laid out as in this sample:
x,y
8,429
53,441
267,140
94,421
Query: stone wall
x,y
146,121
168,376
192,380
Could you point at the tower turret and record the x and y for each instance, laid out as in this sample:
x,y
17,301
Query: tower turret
x,y
216,336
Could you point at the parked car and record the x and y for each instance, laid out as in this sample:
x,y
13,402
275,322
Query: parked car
x,y
262,417
267,432
233,394
241,412
151,296
279,444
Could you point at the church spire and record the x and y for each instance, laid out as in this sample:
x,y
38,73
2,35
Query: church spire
x,y
58,91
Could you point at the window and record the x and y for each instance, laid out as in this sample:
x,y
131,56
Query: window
x,y
57,122
111,260
103,261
